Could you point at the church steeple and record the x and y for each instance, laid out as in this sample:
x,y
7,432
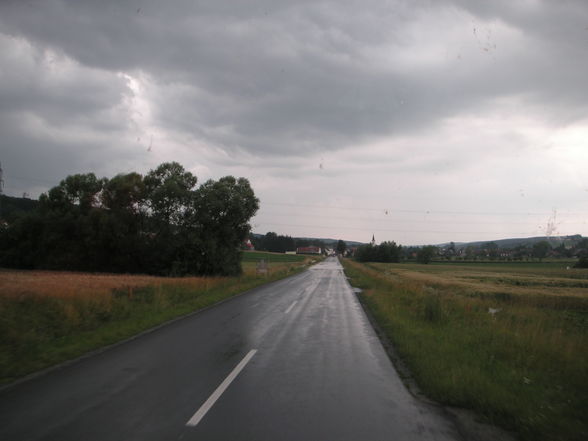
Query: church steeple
x,y
373,239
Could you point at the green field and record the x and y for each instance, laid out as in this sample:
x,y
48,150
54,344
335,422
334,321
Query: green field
x,y
256,256
509,341
487,265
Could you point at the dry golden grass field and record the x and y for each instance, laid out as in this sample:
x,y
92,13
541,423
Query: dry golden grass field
x,y
64,285
50,316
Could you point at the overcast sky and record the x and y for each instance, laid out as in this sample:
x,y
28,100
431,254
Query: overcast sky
x,y
416,121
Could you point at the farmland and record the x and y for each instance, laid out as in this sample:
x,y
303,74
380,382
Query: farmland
x,y
255,256
47,317
509,341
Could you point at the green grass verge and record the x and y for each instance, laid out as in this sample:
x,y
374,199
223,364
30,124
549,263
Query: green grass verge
x,y
37,332
547,263
525,368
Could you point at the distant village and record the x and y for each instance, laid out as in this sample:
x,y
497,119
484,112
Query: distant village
x,y
525,249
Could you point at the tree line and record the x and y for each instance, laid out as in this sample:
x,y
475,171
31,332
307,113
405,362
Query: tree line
x,y
276,243
385,252
539,250
159,223
391,252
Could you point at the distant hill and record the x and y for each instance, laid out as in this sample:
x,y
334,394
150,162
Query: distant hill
x,y
11,207
555,241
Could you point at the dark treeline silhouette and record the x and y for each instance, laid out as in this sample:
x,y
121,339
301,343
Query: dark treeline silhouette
x,y
530,250
385,252
11,208
276,243
533,250
160,223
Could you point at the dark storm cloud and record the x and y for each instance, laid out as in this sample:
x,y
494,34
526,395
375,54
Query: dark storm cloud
x,y
38,79
291,78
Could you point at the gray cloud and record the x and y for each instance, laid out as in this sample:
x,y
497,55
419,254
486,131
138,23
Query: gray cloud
x,y
293,77
394,91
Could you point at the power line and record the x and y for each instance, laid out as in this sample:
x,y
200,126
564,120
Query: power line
x,y
383,229
473,213
410,221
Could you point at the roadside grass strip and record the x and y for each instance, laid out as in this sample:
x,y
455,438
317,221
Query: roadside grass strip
x,y
517,357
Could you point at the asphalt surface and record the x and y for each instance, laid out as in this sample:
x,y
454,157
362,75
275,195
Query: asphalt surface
x,y
294,360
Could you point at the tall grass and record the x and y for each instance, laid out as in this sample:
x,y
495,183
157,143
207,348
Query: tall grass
x,y
49,317
521,363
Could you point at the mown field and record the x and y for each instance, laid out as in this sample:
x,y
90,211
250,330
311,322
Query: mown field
x,y
508,341
47,317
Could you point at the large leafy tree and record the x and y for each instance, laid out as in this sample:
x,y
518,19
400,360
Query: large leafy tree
x,y
65,237
160,223
122,239
124,193
169,190
219,223
426,254
78,191
169,197
540,249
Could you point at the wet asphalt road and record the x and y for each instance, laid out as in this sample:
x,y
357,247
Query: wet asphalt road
x,y
319,373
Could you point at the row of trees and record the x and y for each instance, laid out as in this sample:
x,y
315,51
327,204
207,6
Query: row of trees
x,y
390,252
160,223
385,252
537,250
276,243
